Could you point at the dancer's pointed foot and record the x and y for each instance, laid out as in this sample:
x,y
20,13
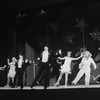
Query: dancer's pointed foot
x,y
7,86
86,85
56,84
33,84
65,85
97,82
73,83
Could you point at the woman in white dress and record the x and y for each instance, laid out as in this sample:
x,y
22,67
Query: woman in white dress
x,y
12,72
84,67
65,68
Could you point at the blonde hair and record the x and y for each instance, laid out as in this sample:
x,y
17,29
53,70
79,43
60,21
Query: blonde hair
x,y
69,52
13,58
87,52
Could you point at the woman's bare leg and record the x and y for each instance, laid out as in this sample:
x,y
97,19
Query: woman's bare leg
x,y
60,76
66,79
12,80
8,80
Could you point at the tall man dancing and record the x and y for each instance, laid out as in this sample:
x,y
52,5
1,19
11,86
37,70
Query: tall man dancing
x,y
84,67
44,68
65,68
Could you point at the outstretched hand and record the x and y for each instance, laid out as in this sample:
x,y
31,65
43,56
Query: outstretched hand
x,y
82,54
2,68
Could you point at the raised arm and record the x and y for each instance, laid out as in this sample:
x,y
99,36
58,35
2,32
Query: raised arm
x,y
2,68
76,58
61,58
8,63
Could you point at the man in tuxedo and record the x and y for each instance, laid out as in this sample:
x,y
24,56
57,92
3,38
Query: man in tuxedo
x,y
21,68
55,64
44,68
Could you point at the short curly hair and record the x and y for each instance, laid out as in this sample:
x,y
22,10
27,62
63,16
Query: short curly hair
x,y
87,52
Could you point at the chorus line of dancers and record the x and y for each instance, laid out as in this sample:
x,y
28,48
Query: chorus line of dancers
x,y
50,66
63,68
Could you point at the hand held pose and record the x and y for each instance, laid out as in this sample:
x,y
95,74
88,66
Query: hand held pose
x,y
2,68
65,68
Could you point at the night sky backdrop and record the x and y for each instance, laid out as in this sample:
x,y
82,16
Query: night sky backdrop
x,y
58,22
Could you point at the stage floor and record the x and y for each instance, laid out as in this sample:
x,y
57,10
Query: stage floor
x,y
52,87
53,92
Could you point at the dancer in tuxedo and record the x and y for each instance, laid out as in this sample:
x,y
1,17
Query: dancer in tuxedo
x,y
19,74
11,72
65,68
21,66
43,69
84,67
26,64
55,64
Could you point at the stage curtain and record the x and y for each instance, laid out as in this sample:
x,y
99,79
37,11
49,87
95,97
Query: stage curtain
x,y
30,70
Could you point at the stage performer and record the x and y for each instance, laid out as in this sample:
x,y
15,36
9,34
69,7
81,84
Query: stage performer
x,y
66,67
55,64
84,67
43,69
21,67
12,72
